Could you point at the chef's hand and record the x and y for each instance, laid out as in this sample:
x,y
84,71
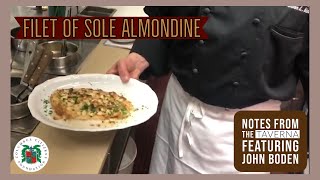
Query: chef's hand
x,y
129,67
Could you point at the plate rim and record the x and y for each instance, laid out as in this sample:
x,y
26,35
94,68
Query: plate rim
x,y
37,116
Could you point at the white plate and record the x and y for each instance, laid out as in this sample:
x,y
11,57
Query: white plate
x,y
141,95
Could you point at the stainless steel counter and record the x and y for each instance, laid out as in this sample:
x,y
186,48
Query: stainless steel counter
x,y
23,11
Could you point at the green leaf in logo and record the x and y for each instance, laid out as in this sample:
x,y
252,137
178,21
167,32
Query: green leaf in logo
x,y
37,148
23,152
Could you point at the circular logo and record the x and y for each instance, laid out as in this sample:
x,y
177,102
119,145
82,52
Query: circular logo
x,y
31,154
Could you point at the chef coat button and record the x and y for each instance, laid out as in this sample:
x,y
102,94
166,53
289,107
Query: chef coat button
x,y
206,10
244,54
195,70
201,42
236,84
256,21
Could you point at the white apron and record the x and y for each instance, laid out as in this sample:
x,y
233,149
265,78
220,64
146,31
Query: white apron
x,y
194,137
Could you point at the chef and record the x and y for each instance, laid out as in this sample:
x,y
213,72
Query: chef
x,y
252,60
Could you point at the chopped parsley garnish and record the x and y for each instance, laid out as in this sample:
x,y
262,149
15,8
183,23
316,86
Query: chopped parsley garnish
x,y
124,111
75,99
92,108
85,107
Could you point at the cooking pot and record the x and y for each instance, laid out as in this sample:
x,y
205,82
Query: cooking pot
x,y
18,44
18,110
60,61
